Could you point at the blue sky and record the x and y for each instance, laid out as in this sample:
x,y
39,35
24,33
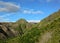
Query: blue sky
x,y
31,10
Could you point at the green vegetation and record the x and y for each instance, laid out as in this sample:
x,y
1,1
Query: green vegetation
x,y
56,34
51,24
29,37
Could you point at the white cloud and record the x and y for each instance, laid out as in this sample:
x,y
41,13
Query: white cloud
x,y
6,15
4,19
26,12
35,21
32,12
48,0
8,7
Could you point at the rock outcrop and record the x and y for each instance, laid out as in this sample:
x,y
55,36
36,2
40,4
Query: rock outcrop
x,y
6,31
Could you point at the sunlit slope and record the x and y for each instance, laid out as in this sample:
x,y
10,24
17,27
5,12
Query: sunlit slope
x,y
50,29
49,19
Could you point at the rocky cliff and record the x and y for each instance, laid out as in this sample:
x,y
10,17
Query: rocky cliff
x,y
6,31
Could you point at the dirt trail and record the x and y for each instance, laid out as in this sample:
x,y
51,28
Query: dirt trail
x,y
45,37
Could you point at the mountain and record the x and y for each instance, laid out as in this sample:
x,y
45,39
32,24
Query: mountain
x,y
12,29
46,31
22,26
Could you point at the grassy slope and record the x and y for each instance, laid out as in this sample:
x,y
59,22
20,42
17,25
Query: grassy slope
x,y
29,37
51,24
53,27
56,34
49,19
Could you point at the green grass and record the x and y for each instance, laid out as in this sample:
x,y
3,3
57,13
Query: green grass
x,y
29,37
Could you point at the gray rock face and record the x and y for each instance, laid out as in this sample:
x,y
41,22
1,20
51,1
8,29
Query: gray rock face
x,y
6,31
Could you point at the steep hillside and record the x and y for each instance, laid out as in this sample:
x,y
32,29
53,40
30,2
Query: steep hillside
x,y
6,31
49,19
53,30
50,29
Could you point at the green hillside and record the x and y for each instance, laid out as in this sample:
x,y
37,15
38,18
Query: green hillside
x,y
53,30
50,25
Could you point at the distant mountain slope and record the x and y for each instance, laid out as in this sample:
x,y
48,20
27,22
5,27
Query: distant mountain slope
x,y
22,22
22,26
